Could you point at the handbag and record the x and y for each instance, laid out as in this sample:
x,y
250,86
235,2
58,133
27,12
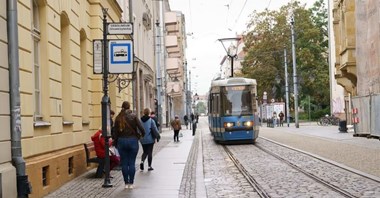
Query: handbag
x,y
112,150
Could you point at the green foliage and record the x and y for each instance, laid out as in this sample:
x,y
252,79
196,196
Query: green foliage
x,y
269,33
201,107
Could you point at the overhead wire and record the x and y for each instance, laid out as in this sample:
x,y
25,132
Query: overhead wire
x,y
241,10
269,4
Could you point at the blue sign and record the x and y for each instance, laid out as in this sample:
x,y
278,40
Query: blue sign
x,y
120,56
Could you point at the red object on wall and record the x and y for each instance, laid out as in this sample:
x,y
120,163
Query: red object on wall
x,y
355,120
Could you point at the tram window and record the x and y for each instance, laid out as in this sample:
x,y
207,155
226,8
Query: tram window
x,y
215,103
236,101
254,102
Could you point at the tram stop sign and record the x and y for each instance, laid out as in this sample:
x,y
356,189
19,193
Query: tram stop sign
x,y
120,56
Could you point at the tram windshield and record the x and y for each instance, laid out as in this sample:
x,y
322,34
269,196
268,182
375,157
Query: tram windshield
x,y
236,100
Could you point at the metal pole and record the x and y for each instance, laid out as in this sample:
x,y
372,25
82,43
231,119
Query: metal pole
x,y
331,67
309,110
186,91
286,88
134,76
232,65
158,75
294,75
23,186
190,99
105,105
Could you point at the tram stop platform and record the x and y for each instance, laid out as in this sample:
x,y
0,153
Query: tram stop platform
x,y
169,161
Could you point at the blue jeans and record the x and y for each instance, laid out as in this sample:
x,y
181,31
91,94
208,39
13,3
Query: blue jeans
x,y
128,149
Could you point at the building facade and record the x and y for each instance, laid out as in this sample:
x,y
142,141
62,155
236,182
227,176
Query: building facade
x,y
175,45
60,95
7,170
357,63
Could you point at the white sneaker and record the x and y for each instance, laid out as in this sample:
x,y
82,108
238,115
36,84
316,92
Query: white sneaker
x,y
126,186
131,186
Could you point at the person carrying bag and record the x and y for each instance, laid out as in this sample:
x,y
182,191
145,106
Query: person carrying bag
x,y
150,137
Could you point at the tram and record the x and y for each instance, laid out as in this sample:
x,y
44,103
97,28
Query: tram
x,y
232,110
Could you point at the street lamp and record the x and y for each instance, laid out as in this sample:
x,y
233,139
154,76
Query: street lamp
x,y
232,56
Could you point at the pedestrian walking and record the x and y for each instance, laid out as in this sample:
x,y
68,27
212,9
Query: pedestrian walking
x,y
274,119
192,117
150,137
128,130
176,124
186,119
194,123
154,117
281,115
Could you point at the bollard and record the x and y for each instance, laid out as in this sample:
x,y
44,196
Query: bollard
x,y
343,126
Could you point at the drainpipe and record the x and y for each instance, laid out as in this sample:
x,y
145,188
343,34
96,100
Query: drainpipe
x,y
23,186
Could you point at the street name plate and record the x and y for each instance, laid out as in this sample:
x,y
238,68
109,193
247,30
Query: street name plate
x,y
98,56
119,28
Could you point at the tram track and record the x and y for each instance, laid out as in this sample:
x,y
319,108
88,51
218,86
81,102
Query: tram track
x,y
326,176
314,177
258,188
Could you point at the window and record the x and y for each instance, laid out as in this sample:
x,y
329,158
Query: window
x,y
36,17
45,175
36,62
236,101
71,165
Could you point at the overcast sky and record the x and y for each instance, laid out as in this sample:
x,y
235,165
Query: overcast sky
x,y
209,20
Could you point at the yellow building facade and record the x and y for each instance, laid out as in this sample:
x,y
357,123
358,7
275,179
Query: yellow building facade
x,y
7,170
60,95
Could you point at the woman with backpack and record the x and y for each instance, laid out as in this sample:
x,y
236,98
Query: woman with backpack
x,y
150,137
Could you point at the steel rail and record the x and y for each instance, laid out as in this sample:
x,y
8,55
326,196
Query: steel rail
x,y
316,178
259,189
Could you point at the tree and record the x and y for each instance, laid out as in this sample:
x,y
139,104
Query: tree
x,y
267,36
201,107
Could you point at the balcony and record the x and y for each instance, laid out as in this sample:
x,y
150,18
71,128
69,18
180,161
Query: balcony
x,y
174,89
173,65
171,22
172,44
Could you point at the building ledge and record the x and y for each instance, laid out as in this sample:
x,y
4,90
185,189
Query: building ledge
x,y
41,124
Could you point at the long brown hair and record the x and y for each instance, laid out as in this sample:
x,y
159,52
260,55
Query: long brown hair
x,y
120,118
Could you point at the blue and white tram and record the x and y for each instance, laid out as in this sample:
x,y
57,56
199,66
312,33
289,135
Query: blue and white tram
x,y
232,115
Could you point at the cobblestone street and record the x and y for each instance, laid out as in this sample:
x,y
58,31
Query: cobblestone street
x,y
205,170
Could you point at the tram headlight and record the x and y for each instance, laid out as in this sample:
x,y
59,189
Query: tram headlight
x,y
228,124
248,123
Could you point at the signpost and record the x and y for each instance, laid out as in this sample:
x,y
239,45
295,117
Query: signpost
x,y
119,28
120,55
115,57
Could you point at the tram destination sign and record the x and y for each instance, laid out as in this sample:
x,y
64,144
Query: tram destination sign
x,y
119,28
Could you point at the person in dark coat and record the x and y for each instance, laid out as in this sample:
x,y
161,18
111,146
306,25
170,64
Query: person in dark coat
x,y
186,119
128,131
154,117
